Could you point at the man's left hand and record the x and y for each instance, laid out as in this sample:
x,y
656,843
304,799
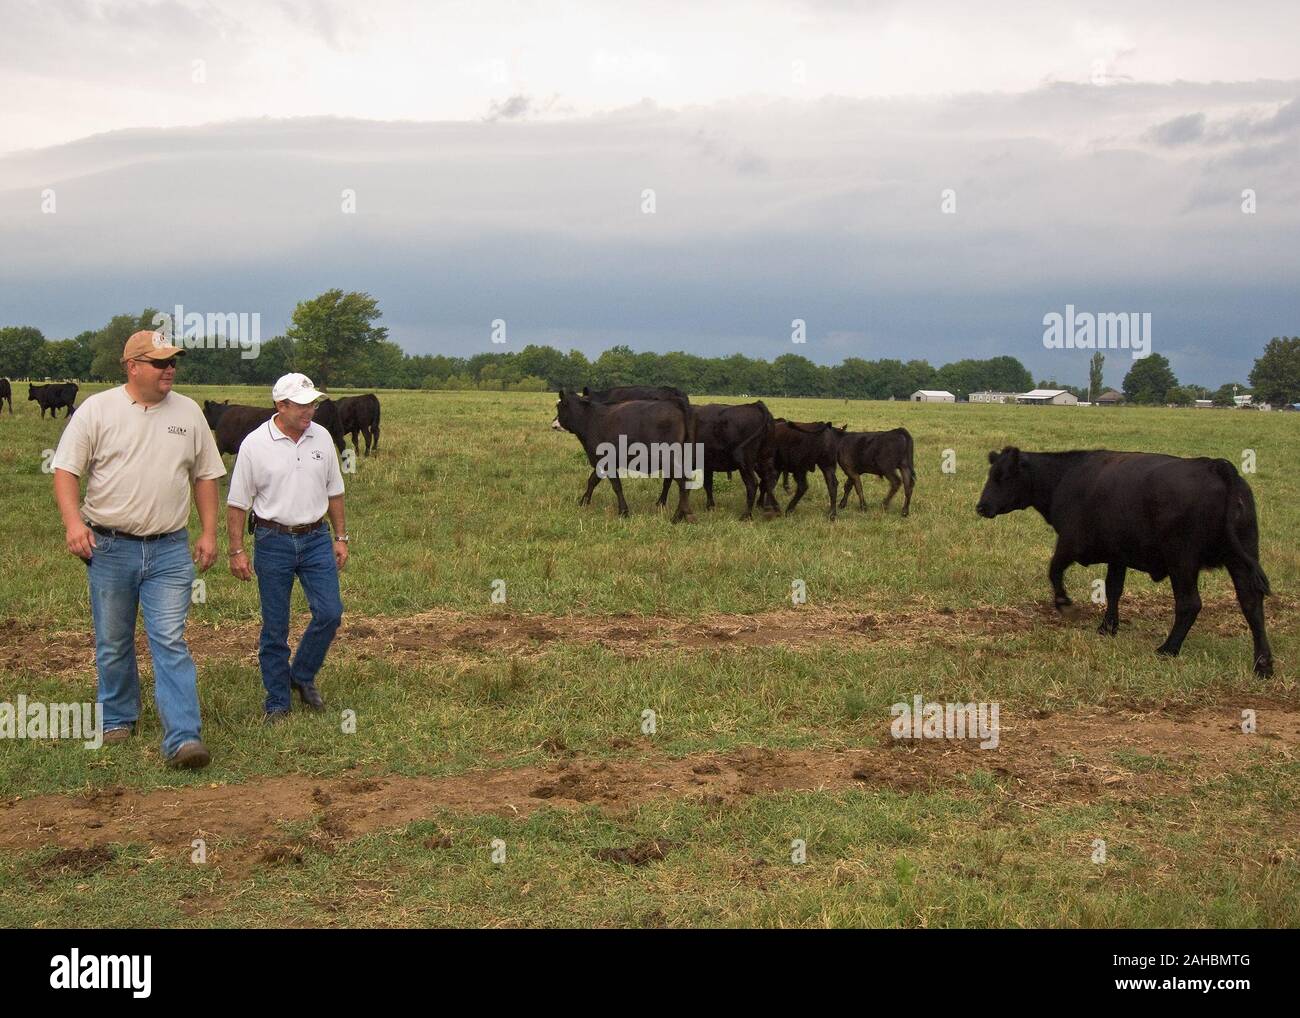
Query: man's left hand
x,y
341,553
205,552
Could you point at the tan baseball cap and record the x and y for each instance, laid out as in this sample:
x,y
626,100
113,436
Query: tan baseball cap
x,y
151,345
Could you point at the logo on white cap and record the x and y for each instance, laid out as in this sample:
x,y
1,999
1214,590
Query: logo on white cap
x,y
159,339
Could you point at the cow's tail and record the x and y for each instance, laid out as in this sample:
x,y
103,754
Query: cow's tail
x,y
911,461
1240,508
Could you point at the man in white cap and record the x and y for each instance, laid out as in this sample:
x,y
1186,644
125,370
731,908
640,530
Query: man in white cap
x,y
287,472
141,449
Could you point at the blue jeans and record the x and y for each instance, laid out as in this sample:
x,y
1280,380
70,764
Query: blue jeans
x,y
155,576
277,560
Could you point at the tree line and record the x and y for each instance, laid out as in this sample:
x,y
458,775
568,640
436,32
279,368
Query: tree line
x,y
336,340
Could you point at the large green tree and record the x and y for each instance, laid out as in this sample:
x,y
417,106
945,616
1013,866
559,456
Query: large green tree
x,y
333,333
1149,380
1096,383
1276,375
20,346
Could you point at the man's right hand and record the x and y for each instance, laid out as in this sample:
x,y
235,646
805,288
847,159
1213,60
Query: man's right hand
x,y
240,568
80,540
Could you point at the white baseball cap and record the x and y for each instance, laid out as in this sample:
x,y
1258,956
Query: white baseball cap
x,y
296,387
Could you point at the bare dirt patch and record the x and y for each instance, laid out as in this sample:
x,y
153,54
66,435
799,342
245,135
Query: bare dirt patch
x,y
33,649
1041,761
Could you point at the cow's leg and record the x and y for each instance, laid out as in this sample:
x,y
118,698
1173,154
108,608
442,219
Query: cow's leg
x,y
785,480
751,490
800,486
663,493
1061,559
592,481
832,485
374,430
909,482
683,503
894,484
1252,606
857,486
1115,574
708,488
618,490
1187,605
850,477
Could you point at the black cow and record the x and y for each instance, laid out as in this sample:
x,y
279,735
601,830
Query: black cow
x,y
213,411
599,427
6,393
799,448
51,397
1161,515
735,438
234,423
360,414
886,454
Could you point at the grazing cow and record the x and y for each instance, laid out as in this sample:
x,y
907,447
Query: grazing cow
x,y
1161,515
234,423
735,438
886,454
799,448
360,414
6,393
51,397
650,423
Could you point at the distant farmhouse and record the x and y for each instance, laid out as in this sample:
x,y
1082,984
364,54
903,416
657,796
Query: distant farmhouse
x,y
933,396
1110,398
1048,397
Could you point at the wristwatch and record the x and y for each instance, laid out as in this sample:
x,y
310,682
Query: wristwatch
x,y
341,537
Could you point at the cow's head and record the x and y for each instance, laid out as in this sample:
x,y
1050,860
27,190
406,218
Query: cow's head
x,y
31,391
565,409
1008,487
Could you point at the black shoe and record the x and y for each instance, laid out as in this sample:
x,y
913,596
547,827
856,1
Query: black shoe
x,y
310,696
274,717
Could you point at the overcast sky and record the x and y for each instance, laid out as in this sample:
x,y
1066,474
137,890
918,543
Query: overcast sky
x,y
198,154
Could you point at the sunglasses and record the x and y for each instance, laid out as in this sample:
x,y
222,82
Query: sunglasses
x,y
170,362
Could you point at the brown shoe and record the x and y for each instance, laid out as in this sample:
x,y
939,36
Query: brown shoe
x,y
192,755
118,734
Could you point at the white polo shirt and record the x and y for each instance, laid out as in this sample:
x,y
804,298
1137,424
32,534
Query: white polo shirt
x,y
283,480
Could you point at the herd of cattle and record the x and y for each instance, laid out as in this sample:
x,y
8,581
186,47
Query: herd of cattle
x,y
1166,516
347,416
743,438
53,397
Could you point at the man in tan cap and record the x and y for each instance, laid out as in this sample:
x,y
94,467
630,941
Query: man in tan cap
x,y
141,448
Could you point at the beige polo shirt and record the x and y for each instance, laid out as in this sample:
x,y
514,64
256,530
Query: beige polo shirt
x,y
286,481
139,461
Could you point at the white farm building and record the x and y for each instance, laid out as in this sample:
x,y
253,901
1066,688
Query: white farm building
x,y
1048,397
933,396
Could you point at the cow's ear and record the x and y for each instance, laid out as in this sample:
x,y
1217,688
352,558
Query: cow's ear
x,y
1013,457
993,458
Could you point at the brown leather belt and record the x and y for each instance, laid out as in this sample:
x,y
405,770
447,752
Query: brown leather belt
x,y
280,528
